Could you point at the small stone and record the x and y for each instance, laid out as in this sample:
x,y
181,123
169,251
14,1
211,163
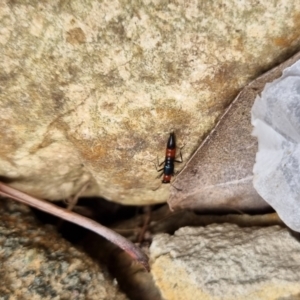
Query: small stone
x,y
224,261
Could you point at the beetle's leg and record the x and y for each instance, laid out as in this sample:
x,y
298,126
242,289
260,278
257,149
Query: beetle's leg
x,y
180,161
158,163
160,173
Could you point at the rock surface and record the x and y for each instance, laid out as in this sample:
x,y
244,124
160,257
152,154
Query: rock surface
x,y
225,261
90,90
36,263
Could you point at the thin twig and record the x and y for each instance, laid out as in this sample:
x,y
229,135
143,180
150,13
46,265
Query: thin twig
x,y
146,221
72,217
72,202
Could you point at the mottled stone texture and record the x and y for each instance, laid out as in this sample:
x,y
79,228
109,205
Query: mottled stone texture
x,y
89,90
36,263
227,262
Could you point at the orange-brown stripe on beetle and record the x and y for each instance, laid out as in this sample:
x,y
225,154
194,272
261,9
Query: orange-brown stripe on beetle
x,y
168,168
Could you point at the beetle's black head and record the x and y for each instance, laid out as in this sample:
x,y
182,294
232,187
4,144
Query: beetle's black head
x,y
171,142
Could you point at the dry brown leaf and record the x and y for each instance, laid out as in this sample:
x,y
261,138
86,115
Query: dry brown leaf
x,y
219,174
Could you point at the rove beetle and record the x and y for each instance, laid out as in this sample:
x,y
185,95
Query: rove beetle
x,y
168,168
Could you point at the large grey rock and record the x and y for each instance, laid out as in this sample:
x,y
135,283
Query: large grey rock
x,y
36,263
225,261
90,90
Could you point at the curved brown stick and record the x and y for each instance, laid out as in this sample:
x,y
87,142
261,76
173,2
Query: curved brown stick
x,y
72,217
